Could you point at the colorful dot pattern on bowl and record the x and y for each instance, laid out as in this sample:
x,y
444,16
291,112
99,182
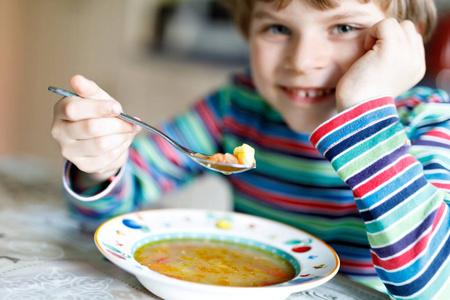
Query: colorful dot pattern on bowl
x,y
221,227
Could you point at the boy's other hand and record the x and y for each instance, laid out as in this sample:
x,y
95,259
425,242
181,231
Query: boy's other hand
x,y
88,132
394,62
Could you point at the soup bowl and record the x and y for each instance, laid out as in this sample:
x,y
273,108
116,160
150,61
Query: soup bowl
x,y
314,261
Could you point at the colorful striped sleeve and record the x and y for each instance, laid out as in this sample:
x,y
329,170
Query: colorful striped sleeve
x,y
154,167
396,160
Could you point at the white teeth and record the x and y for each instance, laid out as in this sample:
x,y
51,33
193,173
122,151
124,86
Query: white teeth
x,y
311,93
301,93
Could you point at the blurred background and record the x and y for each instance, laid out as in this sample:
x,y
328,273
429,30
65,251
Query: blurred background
x,y
154,56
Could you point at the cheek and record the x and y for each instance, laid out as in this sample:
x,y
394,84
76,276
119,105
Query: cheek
x,y
258,65
264,64
258,57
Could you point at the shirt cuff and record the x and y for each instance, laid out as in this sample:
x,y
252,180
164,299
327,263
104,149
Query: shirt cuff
x,y
351,120
91,195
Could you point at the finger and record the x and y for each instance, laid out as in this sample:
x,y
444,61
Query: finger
x,y
414,36
415,39
409,27
97,146
92,128
384,30
117,163
411,32
113,159
75,109
86,88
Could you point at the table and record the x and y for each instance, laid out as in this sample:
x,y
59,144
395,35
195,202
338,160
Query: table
x,y
47,254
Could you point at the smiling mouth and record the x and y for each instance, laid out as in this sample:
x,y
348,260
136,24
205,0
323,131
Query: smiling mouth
x,y
308,95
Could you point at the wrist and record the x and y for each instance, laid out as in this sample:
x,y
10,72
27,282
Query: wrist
x,y
81,182
98,178
343,104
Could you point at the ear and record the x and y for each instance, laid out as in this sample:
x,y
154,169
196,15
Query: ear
x,y
421,27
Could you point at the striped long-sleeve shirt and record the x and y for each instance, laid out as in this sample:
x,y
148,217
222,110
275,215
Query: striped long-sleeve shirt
x,y
372,182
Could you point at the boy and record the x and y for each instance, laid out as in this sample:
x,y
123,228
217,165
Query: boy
x,y
323,79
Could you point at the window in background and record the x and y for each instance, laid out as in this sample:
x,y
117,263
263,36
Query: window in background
x,y
197,30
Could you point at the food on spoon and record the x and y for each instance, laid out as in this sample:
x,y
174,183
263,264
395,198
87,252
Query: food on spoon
x,y
244,154
225,158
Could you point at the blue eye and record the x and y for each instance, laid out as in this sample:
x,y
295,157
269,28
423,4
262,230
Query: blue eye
x,y
279,29
340,29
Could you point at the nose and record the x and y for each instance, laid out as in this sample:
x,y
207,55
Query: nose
x,y
306,54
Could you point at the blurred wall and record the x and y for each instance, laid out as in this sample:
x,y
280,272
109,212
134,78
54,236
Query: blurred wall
x,y
45,42
63,38
12,72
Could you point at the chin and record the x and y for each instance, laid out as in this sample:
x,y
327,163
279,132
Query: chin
x,y
307,121
302,125
304,128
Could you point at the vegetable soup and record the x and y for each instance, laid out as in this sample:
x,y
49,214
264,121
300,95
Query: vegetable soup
x,y
215,262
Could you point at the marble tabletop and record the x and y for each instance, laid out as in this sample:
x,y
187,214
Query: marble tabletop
x,y
47,254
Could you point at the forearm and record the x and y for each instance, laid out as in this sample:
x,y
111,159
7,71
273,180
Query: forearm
x,y
406,216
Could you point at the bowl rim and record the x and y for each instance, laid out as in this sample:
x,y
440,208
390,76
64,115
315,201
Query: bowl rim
x,y
145,273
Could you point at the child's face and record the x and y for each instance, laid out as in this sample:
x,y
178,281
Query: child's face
x,y
299,53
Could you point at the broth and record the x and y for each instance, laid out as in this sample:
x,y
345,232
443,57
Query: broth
x,y
215,262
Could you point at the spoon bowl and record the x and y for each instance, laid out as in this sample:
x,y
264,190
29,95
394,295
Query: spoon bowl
x,y
201,159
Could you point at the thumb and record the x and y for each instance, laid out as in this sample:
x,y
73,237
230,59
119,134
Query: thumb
x,y
373,35
382,33
86,88
369,41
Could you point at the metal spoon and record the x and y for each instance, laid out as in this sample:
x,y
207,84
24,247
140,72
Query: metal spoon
x,y
199,158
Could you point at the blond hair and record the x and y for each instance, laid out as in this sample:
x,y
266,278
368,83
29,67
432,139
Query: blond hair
x,y
420,12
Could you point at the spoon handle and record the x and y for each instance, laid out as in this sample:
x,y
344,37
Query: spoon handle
x,y
138,122
62,92
129,119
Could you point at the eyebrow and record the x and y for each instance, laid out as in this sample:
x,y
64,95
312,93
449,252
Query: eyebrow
x,y
349,14
262,14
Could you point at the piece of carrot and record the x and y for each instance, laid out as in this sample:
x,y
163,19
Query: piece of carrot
x,y
218,157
